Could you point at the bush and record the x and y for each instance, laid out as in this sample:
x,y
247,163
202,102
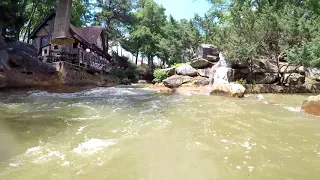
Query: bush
x,y
159,74
118,74
241,81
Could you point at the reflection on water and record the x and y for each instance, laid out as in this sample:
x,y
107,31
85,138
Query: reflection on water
x,y
134,133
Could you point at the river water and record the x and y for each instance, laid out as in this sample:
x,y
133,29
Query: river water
x,y
129,133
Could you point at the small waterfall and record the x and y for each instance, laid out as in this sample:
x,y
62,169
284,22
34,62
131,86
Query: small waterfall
x,y
221,75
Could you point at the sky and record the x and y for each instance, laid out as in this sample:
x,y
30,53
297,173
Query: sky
x,y
180,9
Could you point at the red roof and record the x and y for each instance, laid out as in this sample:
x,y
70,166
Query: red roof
x,y
91,33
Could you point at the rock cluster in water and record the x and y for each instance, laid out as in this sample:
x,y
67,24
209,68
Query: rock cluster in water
x,y
209,67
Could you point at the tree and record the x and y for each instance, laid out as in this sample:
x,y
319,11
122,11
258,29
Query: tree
x,y
21,16
12,18
113,15
151,18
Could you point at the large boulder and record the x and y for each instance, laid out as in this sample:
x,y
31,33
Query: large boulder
x,y
239,64
261,66
312,105
266,78
200,63
213,58
233,90
176,81
186,70
294,79
313,73
241,73
169,71
23,57
286,68
312,99
200,81
207,49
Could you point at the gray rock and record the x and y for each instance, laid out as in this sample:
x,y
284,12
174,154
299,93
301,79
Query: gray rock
x,y
201,81
212,58
267,78
200,63
176,81
4,59
264,66
126,81
241,73
239,65
289,69
233,90
142,82
23,56
186,70
169,71
294,79
312,99
207,51
302,70
204,72
155,81
313,73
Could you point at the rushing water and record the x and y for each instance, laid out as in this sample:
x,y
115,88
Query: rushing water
x,y
221,76
138,134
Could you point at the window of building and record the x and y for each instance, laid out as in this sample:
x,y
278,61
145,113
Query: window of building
x,y
44,41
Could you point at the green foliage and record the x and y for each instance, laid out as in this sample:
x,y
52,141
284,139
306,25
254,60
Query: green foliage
x,y
118,74
160,75
308,54
176,65
124,69
241,81
113,16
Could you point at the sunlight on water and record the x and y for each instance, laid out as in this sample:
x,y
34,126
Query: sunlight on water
x,y
133,133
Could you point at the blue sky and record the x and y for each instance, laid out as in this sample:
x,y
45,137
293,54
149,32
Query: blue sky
x,y
180,9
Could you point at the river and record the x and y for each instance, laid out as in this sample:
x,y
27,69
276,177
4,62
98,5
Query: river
x,y
131,133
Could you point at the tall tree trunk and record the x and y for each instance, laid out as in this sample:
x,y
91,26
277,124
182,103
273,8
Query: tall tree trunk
x,y
150,61
107,42
34,7
137,55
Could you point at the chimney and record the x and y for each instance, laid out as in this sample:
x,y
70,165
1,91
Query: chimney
x,y
61,34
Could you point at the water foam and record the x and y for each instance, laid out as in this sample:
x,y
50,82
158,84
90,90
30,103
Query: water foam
x,y
92,146
221,75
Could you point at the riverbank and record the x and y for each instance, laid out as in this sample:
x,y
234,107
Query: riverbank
x,y
70,81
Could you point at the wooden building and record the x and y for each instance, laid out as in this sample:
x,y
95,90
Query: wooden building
x,y
88,49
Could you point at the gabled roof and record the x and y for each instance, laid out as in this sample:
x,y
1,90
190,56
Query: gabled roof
x,y
51,15
88,34
91,33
